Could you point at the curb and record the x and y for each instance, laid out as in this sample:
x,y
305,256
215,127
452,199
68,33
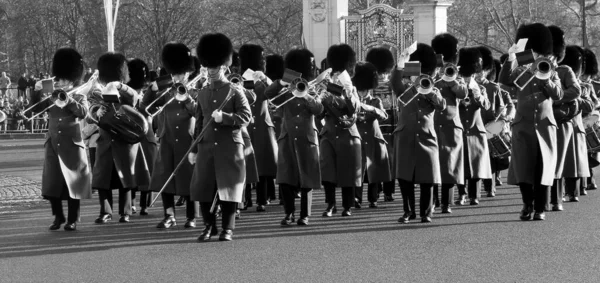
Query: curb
x,y
21,136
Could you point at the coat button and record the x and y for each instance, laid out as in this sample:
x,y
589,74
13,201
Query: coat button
x,y
297,115
59,120
176,127
214,101
366,143
296,127
337,137
298,104
179,102
417,135
216,144
59,132
177,114
295,139
176,140
216,129
254,128
58,144
365,133
112,140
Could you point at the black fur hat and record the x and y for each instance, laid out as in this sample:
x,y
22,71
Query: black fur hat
x,y
251,57
558,40
469,61
235,59
573,58
214,50
487,59
112,67
365,76
341,57
274,66
300,60
177,58
139,74
426,56
382,58
590,62
540,38
495,73
67,64
447,45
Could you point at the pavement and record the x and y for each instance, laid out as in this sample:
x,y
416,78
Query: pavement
x,y
484,243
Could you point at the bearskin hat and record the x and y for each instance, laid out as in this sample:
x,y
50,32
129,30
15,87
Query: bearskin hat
x,y
112,67
558,40
495,73
426,56
487,59
177,58
540,38
300,60
381,58
365,76
447,45
214,50
67,64
590,62
469,61
139,74
251,57
573,58
341,57
274,66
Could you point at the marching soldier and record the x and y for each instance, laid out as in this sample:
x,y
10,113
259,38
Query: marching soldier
x,y
66,174
576,162
477,158
448,125
119,165
562,109
534,153
139,78
383,60
375,158
298,168
274,71
415,142
175,134
340,144
501,109
590,71
220,167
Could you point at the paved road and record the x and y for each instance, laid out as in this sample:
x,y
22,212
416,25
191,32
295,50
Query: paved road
x,y
485,243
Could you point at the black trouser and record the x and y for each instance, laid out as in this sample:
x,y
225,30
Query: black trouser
x,y
247,194
536,196
145,198
473,186
289,200
571,187
191,207
447,194
490,184
228,209
372,192
347,195
271,188
92,157
106,201
408,198
73,206
557,191
389,188
262,190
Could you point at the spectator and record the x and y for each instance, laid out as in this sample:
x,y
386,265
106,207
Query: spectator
x,y
18,107
4,84
22,85
31,85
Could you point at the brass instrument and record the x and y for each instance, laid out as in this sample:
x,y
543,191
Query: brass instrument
x,y
181,95
542,69
59,97
424,86
450,73
299,87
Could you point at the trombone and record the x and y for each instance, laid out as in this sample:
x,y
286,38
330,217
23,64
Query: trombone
x,y
59,97
181,95
424,86
299,87
450,73
542,69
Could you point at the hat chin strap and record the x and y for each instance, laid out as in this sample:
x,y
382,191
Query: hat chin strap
x,y
217,74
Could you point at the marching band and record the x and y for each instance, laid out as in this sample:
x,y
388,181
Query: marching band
x,y
219,125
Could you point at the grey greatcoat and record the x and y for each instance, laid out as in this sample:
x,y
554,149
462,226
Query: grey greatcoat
x,y
375,156
477,157
262,133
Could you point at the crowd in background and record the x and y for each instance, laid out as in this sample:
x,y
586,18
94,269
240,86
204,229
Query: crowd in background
x,y
14,97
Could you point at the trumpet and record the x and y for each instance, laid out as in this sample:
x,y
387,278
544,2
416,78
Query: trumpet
x,y
450,73
424,85
542,69
59,97
299,87
235,79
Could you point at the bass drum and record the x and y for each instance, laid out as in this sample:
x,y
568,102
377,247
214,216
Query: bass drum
x,y
126,124
592,131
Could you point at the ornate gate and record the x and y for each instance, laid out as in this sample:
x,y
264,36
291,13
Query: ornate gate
x,y
379,24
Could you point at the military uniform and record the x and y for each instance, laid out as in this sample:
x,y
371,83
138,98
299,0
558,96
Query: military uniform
x,y
416,152
251,167
298,150
375,157
66,174
177,118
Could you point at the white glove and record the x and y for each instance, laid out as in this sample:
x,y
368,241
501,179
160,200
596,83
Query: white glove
x,y
402,59
512,52
218,116
38,85
101,111
192,158
258,76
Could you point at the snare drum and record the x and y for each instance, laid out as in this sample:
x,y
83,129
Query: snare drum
x,y
499,139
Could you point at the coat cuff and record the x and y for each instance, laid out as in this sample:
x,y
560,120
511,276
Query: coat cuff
x,y
228,119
